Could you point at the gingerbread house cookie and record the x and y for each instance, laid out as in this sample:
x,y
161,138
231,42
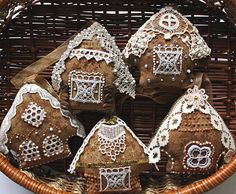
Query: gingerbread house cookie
x,y
193,135
112,157
165,50
36,129
92,70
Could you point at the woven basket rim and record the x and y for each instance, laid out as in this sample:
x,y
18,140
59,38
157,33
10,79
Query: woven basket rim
x,y
39,187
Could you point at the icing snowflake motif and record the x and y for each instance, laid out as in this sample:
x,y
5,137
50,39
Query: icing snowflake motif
x,y
29,151
196,97
86,87
199,155
112,140
52,145
169,59
112,179
154,155
34,115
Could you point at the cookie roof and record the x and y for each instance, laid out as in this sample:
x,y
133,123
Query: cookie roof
x,y
118,134
44,95
124,82
167,22
195,100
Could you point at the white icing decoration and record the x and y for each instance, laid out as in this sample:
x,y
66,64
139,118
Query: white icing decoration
x,y
112,140
125,82
166,22
194,99
115,179
52,145
44,95
34,114
154,155
169,21
169,59
199,156
29,151
86,87
92,132
91,54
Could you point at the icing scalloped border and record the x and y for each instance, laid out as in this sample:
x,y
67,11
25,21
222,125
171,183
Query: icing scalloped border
x,y
194,99
125,82
138,43
45,95
92,132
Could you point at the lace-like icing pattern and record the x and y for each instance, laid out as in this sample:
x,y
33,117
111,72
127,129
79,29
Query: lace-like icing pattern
x,y
125,82
120,123
194,99
169,23
29,151
198,156
33,89
86,87
112,179
34,115
167,60
92,54
52,145
112,140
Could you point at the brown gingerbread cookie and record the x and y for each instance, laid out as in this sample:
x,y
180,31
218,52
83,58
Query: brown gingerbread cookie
x,y
36,129
193,135
165,51
91,71
111,152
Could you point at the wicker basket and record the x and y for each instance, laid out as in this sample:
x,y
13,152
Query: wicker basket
x,y
41,28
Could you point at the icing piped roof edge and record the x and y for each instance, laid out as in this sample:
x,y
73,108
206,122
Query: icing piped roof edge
x,y
194,99
45,95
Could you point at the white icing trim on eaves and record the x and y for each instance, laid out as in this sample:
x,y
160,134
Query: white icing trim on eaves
x,y
45,95
139,42
92,132
194,99
124,82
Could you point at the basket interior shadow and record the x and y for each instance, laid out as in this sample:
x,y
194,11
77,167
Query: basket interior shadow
x,y
41,28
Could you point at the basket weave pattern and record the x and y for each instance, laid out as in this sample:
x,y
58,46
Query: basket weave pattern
x,y
40,29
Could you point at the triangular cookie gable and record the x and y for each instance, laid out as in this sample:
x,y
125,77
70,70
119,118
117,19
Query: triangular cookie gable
x,y
166,49
36,129
91,65
193,135
111,150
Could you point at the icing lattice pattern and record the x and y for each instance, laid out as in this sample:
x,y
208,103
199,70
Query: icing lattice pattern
x,y
115,179
52,145
120,123
29,151
125,82
44,95
86,87
167,60
34,115
112,140
194,99
169,23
